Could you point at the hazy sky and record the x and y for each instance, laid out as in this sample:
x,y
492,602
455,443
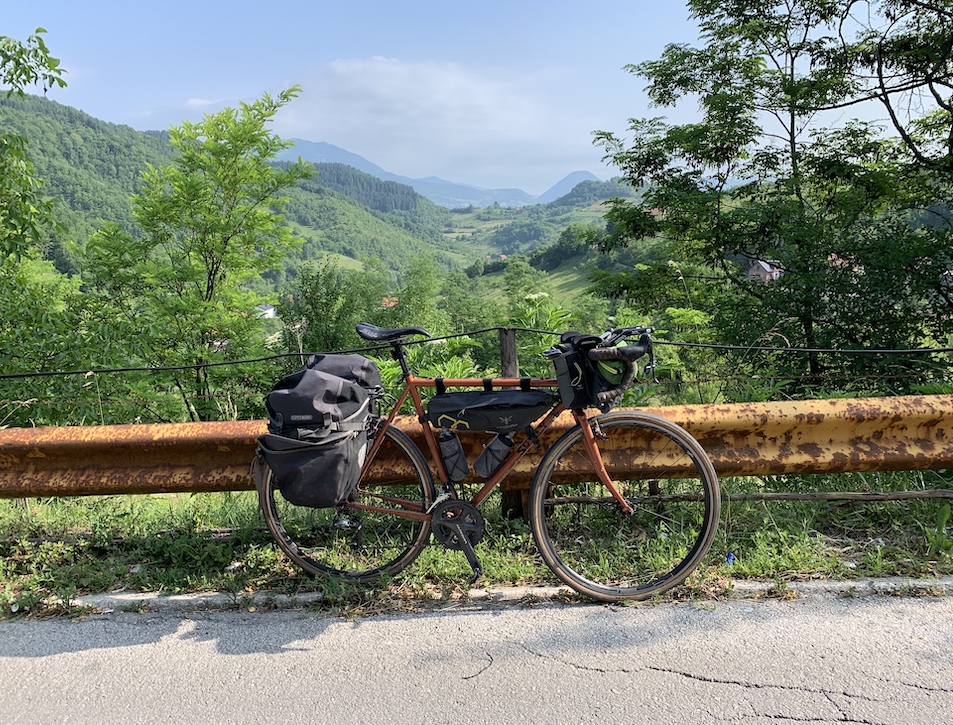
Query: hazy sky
x,y
496,94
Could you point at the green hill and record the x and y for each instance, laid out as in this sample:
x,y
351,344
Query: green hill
x,y
92,169
522,230
89,166
329,222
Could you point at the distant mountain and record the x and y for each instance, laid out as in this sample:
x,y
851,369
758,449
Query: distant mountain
x,y
561,188
324,153
445,193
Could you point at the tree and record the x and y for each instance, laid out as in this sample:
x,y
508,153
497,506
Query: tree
x,y
207,223
520,281
763,176
417,299
467,303
325,303
903,58
24,211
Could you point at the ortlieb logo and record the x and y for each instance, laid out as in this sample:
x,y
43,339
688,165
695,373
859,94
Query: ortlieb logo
x,y
300,418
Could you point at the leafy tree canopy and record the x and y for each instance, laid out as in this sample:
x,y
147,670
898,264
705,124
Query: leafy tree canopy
x,y
765,176
24,211
206,225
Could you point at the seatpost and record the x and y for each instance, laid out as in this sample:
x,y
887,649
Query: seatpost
x,y
398,354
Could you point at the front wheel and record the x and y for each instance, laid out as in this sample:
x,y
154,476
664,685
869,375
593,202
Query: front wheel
x,y
585,536
353,543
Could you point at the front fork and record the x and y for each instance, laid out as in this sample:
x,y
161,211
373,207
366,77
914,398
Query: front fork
x,y
591,434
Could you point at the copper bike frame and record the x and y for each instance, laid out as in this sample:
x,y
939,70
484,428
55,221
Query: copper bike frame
x,y
412,387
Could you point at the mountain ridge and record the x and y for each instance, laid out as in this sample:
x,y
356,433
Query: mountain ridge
x,y
92,168
565,185
449,194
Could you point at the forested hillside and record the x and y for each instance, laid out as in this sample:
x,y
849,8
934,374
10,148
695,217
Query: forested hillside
x,y
92,168
89,166
329,222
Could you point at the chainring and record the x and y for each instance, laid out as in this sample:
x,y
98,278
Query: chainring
x,y
454,510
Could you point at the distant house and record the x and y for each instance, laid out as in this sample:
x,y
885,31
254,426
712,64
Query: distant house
x,y
763,271
265,312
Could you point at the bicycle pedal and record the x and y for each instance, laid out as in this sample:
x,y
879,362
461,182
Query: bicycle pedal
x,y
347,524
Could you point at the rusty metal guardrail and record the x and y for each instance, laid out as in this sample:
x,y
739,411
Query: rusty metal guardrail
x,y
745,439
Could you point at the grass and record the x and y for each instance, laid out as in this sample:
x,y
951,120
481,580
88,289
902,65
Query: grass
x,y
54,550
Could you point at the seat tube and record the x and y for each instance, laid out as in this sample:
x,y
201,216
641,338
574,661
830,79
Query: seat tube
x,y
595,457
414,387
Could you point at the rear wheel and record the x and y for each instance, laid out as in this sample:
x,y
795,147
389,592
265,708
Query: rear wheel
x,y
585,536
352,543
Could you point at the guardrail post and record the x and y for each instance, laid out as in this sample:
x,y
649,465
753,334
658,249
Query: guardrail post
x,y
509,365
512,501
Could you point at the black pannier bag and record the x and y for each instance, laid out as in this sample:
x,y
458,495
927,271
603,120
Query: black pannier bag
x,y
315,473
317,425
500,411
356,368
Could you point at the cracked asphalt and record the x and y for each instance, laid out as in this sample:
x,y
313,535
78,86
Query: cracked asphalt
x,y
821,659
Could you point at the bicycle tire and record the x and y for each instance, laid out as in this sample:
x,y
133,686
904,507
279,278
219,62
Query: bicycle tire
x,y
584,535
350,543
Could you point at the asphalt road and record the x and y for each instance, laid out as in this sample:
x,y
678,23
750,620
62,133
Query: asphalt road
x,y
825,659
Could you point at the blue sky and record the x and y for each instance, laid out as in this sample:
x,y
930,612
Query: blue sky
x,y
496,94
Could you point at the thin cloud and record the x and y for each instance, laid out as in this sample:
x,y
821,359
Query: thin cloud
x,y
432,118
200,103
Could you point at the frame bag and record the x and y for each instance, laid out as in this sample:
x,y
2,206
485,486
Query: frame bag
x,y
318,421
500,411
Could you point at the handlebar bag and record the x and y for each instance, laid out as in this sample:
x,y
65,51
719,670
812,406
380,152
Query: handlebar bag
x,y
499,411
574,375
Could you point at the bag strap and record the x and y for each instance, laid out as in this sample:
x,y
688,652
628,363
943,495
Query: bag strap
x,y
484,403
316,434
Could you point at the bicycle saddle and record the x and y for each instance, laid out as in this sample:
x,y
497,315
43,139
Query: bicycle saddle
x,y
373,333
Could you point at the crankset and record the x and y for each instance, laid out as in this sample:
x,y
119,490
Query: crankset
x,y
459,525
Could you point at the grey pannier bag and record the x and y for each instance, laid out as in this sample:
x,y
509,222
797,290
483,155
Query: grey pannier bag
x,y
318,422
